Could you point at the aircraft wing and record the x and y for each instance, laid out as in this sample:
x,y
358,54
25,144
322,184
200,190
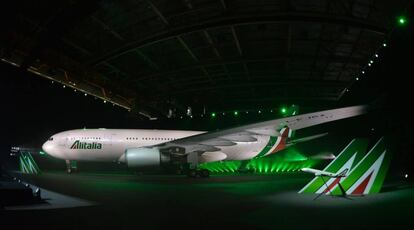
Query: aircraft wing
x,y
212,141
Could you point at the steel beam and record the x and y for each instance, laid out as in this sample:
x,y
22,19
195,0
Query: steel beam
x,y
304,84
108,28
244,61
242,20
157,12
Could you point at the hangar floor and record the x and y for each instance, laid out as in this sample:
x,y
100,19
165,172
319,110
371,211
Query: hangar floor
x,y
241,201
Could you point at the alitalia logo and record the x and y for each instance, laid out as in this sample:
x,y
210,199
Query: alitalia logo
x,y
86,145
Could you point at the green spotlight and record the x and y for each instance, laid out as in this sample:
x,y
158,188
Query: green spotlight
x,y
213,115
283,110
402,20
236,113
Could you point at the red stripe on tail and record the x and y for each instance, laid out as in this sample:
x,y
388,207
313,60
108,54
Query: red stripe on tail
x,y
332,185
361,187
282,144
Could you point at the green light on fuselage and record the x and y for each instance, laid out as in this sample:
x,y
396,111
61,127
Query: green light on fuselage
x,y
283,110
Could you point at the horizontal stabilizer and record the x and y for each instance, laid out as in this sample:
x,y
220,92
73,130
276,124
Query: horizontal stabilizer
x,y
304,139
323,156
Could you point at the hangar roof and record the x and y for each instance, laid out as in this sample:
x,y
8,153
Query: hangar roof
x,y
155,55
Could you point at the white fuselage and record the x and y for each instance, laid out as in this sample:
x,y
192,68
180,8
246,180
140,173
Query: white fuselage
x,y
110,144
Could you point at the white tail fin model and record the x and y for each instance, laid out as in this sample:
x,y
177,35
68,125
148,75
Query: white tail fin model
x,y
366,171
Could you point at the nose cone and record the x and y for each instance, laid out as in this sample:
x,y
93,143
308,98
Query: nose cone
x,y
49,148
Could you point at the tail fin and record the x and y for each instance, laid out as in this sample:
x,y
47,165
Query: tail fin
x,y
281,141
367,170
346,159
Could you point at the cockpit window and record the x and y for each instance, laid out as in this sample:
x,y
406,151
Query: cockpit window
x,y
50,139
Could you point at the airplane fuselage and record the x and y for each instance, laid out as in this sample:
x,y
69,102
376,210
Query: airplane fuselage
x,y
110,144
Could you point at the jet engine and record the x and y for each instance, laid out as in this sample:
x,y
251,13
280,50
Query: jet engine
x,y
145,158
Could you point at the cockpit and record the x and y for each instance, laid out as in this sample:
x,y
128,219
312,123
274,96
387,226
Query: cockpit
x,y
51,145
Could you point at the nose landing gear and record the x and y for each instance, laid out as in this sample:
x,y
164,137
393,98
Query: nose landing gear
x,y
71,166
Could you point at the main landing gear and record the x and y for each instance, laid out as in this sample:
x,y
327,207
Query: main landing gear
x,y
193,170
204,173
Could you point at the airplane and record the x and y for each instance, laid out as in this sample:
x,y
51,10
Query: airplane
x,y
353,172
141,149
325,173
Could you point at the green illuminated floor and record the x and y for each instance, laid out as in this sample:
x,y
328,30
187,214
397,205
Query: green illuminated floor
x,y
238,201
290,160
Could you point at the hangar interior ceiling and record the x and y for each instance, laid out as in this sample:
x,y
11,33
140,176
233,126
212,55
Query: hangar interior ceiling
x,y
155,55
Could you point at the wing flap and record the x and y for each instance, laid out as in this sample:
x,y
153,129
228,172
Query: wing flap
x,y
267,131
218,142
200,148
241,137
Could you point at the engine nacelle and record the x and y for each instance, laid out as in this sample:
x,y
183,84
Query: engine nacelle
x,y
142,158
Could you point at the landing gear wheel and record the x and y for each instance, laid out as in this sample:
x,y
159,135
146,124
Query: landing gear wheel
x,y
178,172
192,173
204,173
71,167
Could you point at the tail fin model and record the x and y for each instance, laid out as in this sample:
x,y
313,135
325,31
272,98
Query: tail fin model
x,y
366,171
